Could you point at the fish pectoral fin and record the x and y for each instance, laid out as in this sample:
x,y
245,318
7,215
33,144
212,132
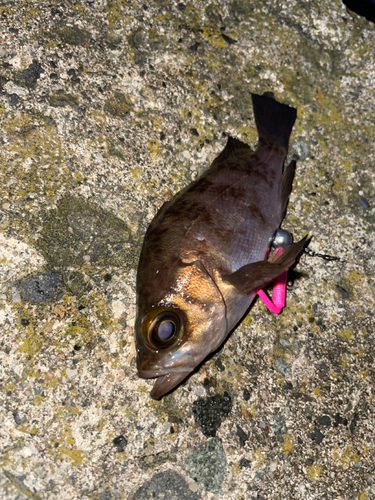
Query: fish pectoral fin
x,y
255,275
260,274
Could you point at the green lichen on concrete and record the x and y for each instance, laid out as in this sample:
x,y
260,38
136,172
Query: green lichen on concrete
x,y
31,339
15,486
215,14
6,10
39,337
145,43
156,41
79,239
229,380
294,312
215,37
24,11
62,442
32,167
286,347
72,35
118,105
61,99
116,13
167,408
115,151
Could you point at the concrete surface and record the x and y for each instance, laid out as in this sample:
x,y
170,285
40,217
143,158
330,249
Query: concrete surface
x,y
107,108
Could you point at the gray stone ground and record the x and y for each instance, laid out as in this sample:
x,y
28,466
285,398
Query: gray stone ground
x,y
108,108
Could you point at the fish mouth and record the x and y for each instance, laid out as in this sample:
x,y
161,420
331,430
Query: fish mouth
x,y
166,380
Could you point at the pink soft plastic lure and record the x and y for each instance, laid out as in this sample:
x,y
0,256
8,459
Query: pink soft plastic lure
x,y
280,241
278,292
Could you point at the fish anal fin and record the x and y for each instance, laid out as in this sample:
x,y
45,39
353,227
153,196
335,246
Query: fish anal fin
x,y
287,182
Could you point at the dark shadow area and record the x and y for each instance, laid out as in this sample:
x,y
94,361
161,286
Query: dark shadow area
x,y
365,8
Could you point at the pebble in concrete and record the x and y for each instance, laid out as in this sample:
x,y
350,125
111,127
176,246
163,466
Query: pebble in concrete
x,y
210,412
207,465
165,485
39,287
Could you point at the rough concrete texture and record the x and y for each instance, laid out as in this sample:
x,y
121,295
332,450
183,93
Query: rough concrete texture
x,y
108,108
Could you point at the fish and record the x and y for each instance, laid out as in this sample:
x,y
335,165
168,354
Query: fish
x,y
206,251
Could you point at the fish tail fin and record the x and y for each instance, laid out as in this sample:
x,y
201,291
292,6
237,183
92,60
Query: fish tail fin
x,y
274,120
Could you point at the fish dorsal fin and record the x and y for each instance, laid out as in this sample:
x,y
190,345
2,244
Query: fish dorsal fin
x,y
260,274
233,147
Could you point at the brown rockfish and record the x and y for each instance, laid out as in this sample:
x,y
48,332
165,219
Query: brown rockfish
x,y
204,253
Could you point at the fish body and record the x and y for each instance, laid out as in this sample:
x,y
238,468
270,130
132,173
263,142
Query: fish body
x,y
204,253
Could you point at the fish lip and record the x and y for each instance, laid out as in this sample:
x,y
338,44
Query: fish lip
x,y
167,377
165,383
151,373
166,380
161,373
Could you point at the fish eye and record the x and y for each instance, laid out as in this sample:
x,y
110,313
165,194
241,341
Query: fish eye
x,y
164,330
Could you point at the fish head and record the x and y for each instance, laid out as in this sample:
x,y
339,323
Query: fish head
x,y
177,332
